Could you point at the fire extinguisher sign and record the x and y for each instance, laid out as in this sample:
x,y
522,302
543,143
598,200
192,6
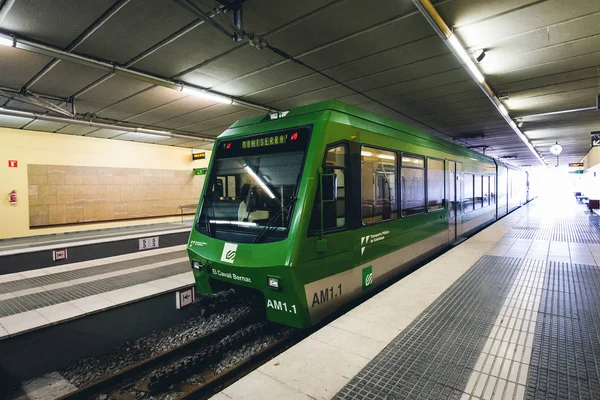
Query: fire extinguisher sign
x,y
13,163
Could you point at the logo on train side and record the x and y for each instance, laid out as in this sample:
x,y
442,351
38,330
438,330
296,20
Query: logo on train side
x,y
229,250
367,277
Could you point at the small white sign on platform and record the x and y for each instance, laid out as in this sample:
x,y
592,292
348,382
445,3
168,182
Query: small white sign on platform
x,y
58,255
184,297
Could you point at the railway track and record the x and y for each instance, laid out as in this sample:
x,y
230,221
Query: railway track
x,y
187,371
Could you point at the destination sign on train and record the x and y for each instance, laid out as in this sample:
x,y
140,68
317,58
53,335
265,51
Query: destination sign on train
x,y
284,140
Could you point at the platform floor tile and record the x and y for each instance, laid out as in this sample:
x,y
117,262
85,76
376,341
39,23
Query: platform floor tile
x,y
21,304
92,270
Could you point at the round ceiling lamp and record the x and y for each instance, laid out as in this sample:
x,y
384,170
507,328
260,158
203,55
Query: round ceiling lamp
x,y
556,149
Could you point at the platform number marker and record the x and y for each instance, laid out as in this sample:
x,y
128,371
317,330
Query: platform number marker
x,y
367,277
149,243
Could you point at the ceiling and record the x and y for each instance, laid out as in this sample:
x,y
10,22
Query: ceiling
x,y
544,55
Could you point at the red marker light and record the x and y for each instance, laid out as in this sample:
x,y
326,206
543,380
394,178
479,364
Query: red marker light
x,y
294,136
228,146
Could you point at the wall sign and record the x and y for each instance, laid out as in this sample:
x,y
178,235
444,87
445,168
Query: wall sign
x,y
576,164
198,156
13,163
199,171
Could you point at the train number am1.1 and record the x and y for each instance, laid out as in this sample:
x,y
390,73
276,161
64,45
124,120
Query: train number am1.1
x,y
281,306
324,295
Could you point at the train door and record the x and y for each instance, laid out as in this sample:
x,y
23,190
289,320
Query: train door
x,y
455,199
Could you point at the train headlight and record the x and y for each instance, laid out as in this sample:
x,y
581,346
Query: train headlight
x,y
274,282
196,265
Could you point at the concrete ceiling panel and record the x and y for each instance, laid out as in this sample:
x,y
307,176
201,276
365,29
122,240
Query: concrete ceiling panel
x,y
195,47
337,22
142,102
208,113
17,67
8,121
224,120
106,133
66,79
172,110
113,90
520,20
264,79
57,22
79,130
45,126
136,27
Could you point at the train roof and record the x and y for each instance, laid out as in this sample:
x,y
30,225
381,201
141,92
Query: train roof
x,y
338,106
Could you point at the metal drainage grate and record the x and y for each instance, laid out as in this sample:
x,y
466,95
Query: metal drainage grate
x,y
435,355
565,361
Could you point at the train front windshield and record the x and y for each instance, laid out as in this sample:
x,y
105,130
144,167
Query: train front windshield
x,y
253,186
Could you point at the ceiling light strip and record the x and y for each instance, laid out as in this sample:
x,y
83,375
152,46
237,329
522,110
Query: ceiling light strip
x,y
438,24
71,121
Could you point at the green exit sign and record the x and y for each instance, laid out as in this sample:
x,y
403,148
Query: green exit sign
x,y
199,171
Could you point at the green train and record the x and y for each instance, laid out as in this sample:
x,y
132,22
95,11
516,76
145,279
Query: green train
x,y
312,208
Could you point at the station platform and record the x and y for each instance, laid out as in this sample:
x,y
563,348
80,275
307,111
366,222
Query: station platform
x,y
511,313
30,253
36,299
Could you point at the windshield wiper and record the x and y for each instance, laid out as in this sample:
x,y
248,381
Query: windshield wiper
x,y
268,228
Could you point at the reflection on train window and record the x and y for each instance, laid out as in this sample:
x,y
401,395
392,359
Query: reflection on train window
x,y
435,184
412,185
486,191
478,198
334,213
336,157
492,190
468,199
378,185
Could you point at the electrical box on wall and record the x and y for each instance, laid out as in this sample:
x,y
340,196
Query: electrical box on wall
x,y
598,102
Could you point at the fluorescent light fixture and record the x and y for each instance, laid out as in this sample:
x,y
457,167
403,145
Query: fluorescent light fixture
x,y
386,156
259,181
366,153
503,110
6,41
207,95
465,57
240,223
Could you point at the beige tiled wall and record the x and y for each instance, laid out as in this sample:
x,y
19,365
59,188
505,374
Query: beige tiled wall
x,y
60,194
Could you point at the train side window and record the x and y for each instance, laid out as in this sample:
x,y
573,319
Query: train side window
x,y
478,197
378,185
468,199
435,184
412,185
334,213
486,191
492,190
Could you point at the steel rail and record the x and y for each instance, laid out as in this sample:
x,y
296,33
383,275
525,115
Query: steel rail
x,y
138,370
